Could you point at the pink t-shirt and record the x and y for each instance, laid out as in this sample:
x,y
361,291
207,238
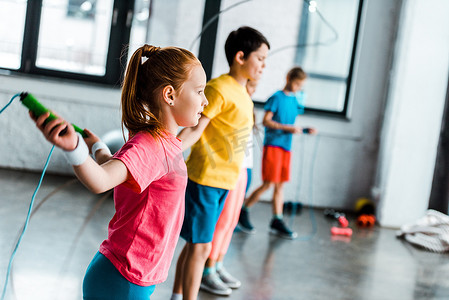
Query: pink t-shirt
x,y
149,206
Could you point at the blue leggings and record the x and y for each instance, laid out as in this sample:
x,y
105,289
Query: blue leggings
x,y
104,282
249,173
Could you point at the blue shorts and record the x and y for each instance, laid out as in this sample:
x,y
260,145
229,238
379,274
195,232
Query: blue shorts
x,y
203,207
104,281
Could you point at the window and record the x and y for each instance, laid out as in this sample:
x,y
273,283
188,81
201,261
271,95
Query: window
x,y
86,39
317,35
327,40
12,16
167,23
74,39
82,9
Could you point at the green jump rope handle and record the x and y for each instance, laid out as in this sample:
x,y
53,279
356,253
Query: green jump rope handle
x,y
38,109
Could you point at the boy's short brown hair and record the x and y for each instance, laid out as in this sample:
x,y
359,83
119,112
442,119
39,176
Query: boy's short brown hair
x,y
296,73
245,39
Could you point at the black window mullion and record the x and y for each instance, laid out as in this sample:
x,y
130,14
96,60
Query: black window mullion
x,y
119,40
31,36
209,36
351,64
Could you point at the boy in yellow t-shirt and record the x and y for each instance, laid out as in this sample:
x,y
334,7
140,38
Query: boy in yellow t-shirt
x,y
218,146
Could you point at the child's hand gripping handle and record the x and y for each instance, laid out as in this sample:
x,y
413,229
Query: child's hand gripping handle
x,y
38,109
309,130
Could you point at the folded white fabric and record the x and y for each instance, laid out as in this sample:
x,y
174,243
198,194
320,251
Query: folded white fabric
x,y
431,232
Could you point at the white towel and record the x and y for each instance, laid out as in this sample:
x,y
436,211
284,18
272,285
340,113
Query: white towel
x,y
431,232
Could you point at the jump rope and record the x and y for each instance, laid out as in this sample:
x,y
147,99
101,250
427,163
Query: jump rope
x,y
308,4
33,105
37,108
295,208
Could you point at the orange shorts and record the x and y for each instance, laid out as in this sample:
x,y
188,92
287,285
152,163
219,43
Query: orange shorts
x,y
275,164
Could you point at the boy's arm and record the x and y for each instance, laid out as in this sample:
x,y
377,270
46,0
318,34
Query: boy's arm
x,y
190,135
268,122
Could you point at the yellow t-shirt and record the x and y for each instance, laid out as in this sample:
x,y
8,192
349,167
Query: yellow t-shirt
x,y
216,159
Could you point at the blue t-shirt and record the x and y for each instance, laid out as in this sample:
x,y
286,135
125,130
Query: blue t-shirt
x,y
285,108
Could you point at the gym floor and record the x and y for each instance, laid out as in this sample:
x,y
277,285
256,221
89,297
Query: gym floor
x,y
68,224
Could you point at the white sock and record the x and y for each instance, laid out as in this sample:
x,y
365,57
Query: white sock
x,y
176,296
219,265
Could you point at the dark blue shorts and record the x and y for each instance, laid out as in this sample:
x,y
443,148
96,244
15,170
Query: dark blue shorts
x,y
104,281
203,207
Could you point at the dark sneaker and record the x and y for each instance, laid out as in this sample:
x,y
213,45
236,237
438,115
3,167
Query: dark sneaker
x,y
277,227
212,283
244,223
228,279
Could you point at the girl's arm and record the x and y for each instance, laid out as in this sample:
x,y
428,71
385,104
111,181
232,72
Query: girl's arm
x,y
101,178
268,122
97,178
190,135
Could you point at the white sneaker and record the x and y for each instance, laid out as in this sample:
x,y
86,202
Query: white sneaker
x,y
228,279
212,283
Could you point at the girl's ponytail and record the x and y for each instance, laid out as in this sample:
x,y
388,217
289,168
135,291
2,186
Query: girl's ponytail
x,y
136,115
148,50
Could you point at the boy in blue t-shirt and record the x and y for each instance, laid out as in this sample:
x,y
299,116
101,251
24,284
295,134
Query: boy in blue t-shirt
x,y
281,110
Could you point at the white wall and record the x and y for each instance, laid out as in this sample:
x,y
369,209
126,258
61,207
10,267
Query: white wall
x,y
414,113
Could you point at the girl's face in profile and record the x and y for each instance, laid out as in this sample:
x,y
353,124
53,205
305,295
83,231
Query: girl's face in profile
x,y
190,99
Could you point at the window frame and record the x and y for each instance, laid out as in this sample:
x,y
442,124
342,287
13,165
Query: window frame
x,y
119,37
348,79
207,52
